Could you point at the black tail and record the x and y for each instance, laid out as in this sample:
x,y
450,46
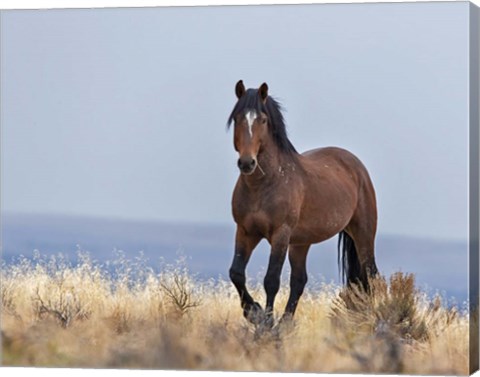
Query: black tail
x,y
348,264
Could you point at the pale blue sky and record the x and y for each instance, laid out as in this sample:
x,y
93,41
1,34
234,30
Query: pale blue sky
x,y
122,112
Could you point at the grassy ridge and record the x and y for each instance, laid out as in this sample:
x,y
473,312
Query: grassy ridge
x,y
56,314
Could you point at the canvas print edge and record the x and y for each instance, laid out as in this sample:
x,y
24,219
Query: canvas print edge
x,y
474,185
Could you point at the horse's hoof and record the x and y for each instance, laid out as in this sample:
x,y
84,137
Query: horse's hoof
x,y
287,318
286,323
254,313
268,321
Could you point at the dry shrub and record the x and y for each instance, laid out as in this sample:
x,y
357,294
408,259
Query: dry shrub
x,y
391,308
375,327
178,288
64,306
64,292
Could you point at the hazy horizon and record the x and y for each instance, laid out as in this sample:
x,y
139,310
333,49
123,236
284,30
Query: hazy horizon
x,y
208,249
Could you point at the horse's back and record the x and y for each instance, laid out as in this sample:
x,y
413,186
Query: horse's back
x,y
335,153
329,159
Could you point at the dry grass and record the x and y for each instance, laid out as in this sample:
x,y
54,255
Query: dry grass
x,y
54,314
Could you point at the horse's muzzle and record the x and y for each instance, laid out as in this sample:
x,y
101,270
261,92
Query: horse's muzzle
x,y
247,165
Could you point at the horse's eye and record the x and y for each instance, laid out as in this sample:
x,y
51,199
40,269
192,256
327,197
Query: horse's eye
x,y
264,120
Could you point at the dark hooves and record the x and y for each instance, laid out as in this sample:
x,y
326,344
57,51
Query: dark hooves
x,y
265,322
268,321
286,323
254,313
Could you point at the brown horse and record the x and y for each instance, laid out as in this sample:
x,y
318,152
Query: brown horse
x,y
294,200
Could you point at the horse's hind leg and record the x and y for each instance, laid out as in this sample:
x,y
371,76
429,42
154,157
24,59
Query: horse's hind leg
x,y
364,248
297,256
367,267
362,229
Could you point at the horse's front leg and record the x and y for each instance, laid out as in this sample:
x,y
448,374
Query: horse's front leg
x,y
297,255
279,246
244,245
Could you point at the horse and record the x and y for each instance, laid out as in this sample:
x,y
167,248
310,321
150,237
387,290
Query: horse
x,y
294,200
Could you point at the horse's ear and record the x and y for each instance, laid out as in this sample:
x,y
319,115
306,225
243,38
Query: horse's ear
x,y
263,91
239,89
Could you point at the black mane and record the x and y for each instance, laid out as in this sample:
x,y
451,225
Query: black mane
x,y
251,101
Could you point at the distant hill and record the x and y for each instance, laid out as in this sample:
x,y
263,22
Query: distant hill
x,y
439,265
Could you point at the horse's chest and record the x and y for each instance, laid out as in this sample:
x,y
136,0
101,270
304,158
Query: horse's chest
x,y
261,216
258,223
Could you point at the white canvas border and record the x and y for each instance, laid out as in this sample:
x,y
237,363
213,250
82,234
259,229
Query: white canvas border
x,y
48,4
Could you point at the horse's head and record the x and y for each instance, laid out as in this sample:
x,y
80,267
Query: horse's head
x,y
250,125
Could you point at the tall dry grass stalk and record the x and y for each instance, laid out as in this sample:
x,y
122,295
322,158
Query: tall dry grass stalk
x,y
56,314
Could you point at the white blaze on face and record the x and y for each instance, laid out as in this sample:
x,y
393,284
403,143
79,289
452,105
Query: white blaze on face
x,y
251,116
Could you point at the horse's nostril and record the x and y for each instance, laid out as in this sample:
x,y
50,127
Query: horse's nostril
x,y
246,164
